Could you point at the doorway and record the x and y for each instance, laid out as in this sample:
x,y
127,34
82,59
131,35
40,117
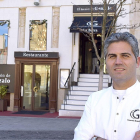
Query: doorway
x,y
36,86
85,56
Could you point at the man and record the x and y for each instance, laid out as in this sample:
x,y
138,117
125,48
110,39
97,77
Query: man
x,y
114,113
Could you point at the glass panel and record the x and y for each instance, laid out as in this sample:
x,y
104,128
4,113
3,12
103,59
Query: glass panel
x,y
88,57
42,86
27,94
38,33
3,42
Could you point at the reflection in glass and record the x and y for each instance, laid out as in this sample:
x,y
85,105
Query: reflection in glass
x,y
42,84
27,94
38,33
3,43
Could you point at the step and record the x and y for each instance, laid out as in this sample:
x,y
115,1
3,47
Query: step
x,y
72,107
72,113
91,84
77,97
78,92
94,76
75,102
84,88
92,80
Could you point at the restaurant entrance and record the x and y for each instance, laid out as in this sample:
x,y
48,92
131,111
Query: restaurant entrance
x,y
36,86
86,54
36,81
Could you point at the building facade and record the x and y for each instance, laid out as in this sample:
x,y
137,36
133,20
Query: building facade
x,y
40,49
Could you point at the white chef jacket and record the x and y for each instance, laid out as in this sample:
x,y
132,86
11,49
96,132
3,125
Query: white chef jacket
x,y
107,117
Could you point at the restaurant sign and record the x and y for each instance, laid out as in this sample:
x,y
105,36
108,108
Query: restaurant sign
x,y
96,8
37,54
7,76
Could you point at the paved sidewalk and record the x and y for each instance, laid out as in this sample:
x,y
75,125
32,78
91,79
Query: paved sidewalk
x,y
33,128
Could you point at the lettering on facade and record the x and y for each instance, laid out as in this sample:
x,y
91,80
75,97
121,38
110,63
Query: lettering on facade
x,y
35,55
96,8
89,30
5,78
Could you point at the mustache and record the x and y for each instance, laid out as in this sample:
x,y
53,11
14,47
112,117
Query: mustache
x,y
119,66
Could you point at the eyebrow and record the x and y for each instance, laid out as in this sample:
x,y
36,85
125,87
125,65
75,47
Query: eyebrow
x,y
121,54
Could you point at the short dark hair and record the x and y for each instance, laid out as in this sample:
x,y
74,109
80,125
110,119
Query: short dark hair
x,y
126,37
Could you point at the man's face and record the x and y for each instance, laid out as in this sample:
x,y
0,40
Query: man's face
x,y
121,63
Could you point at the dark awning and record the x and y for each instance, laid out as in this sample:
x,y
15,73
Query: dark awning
x,y
84,23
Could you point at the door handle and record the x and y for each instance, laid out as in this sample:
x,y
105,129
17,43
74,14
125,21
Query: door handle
x,y
35,89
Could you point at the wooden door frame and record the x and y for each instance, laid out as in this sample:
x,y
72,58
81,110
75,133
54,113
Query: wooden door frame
x,y
33,79
53,62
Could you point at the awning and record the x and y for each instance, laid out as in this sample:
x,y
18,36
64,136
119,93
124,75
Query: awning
x,y
84,23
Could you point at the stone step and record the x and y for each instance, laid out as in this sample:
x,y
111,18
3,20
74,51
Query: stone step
x,y
72,107
92,80
85,88
75,102
95,76
72,113
91,84
78,92
77,97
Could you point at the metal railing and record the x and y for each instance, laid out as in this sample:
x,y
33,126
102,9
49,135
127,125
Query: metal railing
x,y
71,71
68,83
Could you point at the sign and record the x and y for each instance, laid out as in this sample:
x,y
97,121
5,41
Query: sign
x,y
7,76
64,73
81,24
96,8
37,54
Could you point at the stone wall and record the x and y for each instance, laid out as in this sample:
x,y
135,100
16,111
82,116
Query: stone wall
x,y
21,34
55,26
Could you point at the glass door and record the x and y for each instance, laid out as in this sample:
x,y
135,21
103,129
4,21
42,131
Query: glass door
x,y
28,82
42,87
36,87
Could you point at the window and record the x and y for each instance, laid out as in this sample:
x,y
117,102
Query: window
x,y
4,25
38,35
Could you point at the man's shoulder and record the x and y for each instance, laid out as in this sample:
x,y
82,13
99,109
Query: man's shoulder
x,y
102,92
98,94
138,82
137,85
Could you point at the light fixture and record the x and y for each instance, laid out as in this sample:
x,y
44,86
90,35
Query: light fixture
x,y
36,2
98,35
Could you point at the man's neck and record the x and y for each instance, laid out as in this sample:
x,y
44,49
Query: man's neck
x,y
123,86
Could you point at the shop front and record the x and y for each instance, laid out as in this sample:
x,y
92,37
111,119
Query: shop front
x,y
36,81
7,78
82,25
